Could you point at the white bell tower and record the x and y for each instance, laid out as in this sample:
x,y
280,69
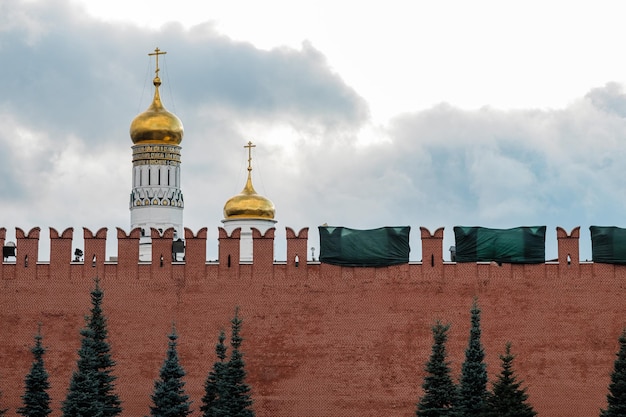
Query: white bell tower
x,y
156,199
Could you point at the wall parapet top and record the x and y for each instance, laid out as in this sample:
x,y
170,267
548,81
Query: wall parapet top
x,y
195,243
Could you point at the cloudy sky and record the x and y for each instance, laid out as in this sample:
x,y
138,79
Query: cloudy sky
x,y
421,113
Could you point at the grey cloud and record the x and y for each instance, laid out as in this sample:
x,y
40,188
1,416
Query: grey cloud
x,y
70,90
610,98
292,86
507,168
76,83
447,166
76,73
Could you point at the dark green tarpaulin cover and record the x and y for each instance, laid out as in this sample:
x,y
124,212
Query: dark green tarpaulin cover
x,y
608,244
520,245
376,247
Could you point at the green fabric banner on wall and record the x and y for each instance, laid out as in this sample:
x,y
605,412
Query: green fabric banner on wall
x,y
520,245
608,244
376,247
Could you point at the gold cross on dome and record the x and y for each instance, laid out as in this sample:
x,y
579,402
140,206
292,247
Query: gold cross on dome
x,y
156,53
249,146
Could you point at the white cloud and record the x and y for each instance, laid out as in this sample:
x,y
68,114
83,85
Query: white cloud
x,y
322,154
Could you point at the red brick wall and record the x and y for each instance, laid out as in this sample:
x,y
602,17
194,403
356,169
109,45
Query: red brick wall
x,y
27,252
228,253
60,253
95,252
263,254
127,253
195,254
324,340
297,247
3,236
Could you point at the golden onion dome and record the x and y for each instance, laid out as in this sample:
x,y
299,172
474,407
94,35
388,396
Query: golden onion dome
x,y
248,204
156,125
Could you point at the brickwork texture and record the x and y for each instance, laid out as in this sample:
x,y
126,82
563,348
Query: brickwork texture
x,y
319,340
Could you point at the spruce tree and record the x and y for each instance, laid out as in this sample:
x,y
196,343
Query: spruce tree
x,y
214,386
92,387
508,399
169,396
83,397
3,411
440,392
473,385
616,398
226,393
36,398
106,387
238,401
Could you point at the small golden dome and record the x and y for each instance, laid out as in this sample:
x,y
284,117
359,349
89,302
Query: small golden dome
x,y
156,125
249,205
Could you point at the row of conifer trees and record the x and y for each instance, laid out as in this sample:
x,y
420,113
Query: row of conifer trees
x,y
91,390
470,398
507,398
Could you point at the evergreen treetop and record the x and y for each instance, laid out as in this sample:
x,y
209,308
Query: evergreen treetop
x,y
238,399
36,398
616,398
473,385
169,396
215,384
3,411
440,393
508,399
95,367
226,392
98,325
83,397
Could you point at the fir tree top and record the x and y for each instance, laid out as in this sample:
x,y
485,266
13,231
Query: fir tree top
x,y
238,399
97,320
440,393
473,386
93,383
36,398
508,398
215,386
169,396
616,398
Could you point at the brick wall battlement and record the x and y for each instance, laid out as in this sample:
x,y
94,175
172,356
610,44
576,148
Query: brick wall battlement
x,y
62,256
319,340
